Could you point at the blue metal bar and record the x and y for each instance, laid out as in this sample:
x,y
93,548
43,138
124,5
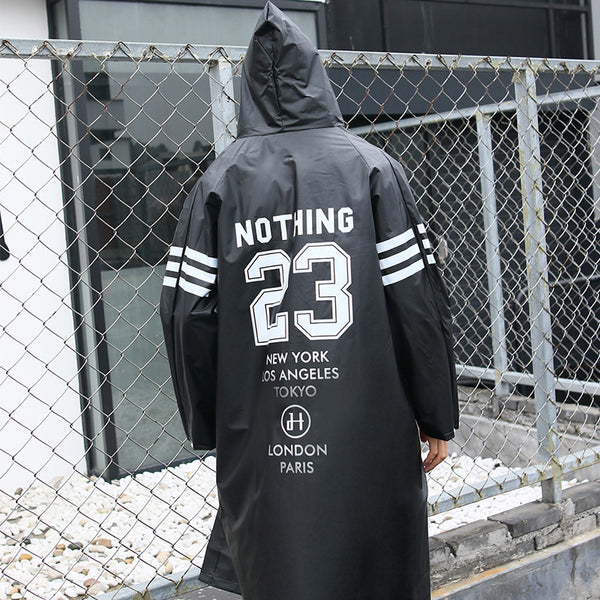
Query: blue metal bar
x,y
537,279
492,251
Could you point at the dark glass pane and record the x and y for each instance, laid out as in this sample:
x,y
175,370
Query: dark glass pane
x,y
453,28
178,23
59,14
569,26
150,139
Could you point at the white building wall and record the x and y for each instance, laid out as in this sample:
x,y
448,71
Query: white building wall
x,y
40,413
594,131
596,27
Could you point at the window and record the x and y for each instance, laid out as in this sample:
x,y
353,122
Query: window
x,y
542,28
143,136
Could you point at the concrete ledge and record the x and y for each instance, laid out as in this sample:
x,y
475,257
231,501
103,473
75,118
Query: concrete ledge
x,y
529,517
439,552
568,570
162,587
474,548
585,496
210,593
466,540
523,531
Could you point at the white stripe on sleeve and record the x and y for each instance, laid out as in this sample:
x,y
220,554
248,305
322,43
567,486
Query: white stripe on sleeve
x,y
198,273
426,243
172,265
193,288
395,241
403,273
200,257
406,261
390,261
176,251
170,281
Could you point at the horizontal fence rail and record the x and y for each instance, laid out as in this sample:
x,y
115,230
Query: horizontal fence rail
x,y
127,51
101,142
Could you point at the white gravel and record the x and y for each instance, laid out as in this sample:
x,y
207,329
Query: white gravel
x,y
158,522
153,522
458,470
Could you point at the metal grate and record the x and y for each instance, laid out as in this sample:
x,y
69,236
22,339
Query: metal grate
x,y
100,144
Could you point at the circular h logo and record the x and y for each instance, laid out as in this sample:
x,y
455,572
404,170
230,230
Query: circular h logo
x,y
295,421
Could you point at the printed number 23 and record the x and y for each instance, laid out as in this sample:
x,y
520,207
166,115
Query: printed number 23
x,y
334,290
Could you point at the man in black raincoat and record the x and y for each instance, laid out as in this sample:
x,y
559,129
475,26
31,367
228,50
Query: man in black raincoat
x,y
307,329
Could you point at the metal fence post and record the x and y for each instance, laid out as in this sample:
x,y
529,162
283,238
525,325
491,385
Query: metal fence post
x,y
492,252
537,279
222,104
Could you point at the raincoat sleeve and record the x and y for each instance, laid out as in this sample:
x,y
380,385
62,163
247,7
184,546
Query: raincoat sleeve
x,y
4,253
188,310
417,302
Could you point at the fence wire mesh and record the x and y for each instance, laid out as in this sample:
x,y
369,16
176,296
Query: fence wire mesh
x,y
100,143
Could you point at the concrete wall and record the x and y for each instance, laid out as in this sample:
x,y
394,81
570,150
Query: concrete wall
x,y
40,415
527,532
568,570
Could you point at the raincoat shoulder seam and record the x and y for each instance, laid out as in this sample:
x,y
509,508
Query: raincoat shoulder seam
x,y
224,173
362,158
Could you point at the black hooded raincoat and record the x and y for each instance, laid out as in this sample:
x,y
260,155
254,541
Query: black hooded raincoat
x,y
308,331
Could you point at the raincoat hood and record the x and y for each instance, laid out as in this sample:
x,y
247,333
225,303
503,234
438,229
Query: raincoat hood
x,y
284,84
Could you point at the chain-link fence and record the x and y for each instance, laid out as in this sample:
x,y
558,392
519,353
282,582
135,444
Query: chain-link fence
x,y
100,144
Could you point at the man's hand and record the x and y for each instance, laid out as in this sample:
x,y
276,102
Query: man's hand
x,y
438,451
